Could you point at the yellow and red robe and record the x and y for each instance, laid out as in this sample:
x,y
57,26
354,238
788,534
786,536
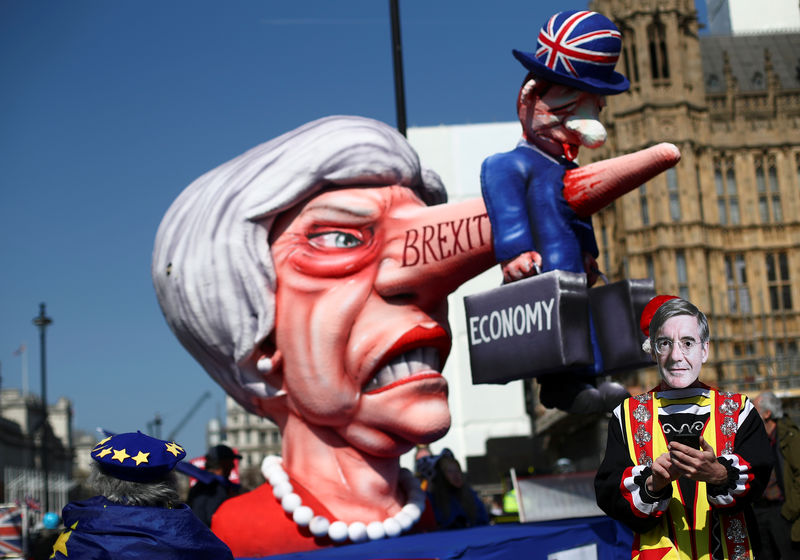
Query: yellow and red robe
x,y
688,520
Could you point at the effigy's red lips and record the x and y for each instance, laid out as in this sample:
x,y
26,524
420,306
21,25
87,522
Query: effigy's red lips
x,y
419,353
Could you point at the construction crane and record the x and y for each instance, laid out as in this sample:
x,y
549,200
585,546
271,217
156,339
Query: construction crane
x,y
185,419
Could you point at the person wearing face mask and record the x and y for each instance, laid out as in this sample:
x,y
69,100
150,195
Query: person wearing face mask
x,y
684,462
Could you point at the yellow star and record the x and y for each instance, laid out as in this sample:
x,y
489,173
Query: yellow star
x,y
141,458
105,452
100,443
61,544
174,448
120,455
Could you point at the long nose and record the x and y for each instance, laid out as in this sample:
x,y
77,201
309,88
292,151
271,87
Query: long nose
x,y
432,250
585,123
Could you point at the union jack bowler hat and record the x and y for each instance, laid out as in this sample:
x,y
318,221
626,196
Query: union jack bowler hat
x,y
578,49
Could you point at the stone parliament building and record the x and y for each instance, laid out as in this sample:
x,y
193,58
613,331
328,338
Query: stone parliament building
x,y
722,228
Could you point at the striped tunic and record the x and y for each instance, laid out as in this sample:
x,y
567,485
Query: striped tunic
x,y
688,520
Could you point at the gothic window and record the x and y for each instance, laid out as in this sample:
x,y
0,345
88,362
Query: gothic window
x,y
628,54
736,279
780,288
643,208
746,368
758,80
674,197
683,277
797,168
744,349
657,40
651,268
786,349
788,358
699,183
769,196
727,193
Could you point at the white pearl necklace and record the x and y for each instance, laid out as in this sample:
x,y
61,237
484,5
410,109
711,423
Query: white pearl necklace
x,y
339,531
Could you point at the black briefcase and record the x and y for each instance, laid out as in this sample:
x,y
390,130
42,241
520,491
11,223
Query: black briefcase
x,y
528,328
616,310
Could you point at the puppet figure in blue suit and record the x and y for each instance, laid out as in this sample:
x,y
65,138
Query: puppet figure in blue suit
x,y
534,229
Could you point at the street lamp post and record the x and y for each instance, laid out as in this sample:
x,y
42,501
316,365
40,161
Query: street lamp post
x,y
397,60
42,321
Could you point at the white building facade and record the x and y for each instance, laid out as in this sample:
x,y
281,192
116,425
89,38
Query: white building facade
x,y
479,412
746,16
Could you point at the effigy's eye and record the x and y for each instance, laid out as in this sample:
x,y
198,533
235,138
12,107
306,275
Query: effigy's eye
x,y
334,240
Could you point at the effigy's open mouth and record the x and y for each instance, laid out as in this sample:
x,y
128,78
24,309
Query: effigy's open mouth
x,y
422,360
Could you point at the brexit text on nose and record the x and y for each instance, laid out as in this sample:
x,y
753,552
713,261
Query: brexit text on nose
x,y
444,240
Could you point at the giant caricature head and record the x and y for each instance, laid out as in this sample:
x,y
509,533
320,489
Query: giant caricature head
x,y
292,275
570,72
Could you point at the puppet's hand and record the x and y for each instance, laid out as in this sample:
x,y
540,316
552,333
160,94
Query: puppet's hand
x,y
591,268
522,266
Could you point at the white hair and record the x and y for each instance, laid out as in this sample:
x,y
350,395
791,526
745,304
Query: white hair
x,y
212,267
770,401
157,493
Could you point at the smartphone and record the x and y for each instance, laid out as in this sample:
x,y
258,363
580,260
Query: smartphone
x,y
691,440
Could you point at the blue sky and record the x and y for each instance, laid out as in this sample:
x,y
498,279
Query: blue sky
x,y
109,109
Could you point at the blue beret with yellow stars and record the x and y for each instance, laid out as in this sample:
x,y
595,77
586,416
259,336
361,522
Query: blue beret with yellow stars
x,y
137,457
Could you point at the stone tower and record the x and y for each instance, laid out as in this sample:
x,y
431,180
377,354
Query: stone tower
x,y
722,227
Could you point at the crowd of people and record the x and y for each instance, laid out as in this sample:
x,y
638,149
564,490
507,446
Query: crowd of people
x,y
683,461
309,276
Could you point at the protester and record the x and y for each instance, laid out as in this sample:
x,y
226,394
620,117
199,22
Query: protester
x,y
205,497
137,513
778,510
684,461
455,504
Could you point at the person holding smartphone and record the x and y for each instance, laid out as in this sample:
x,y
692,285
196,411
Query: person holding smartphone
x,y
684,461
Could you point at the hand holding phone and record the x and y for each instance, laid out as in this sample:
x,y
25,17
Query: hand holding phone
x,y
690,440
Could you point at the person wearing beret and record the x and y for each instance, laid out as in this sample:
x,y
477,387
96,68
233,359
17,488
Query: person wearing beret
x,y
684,462
534,229
137,513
